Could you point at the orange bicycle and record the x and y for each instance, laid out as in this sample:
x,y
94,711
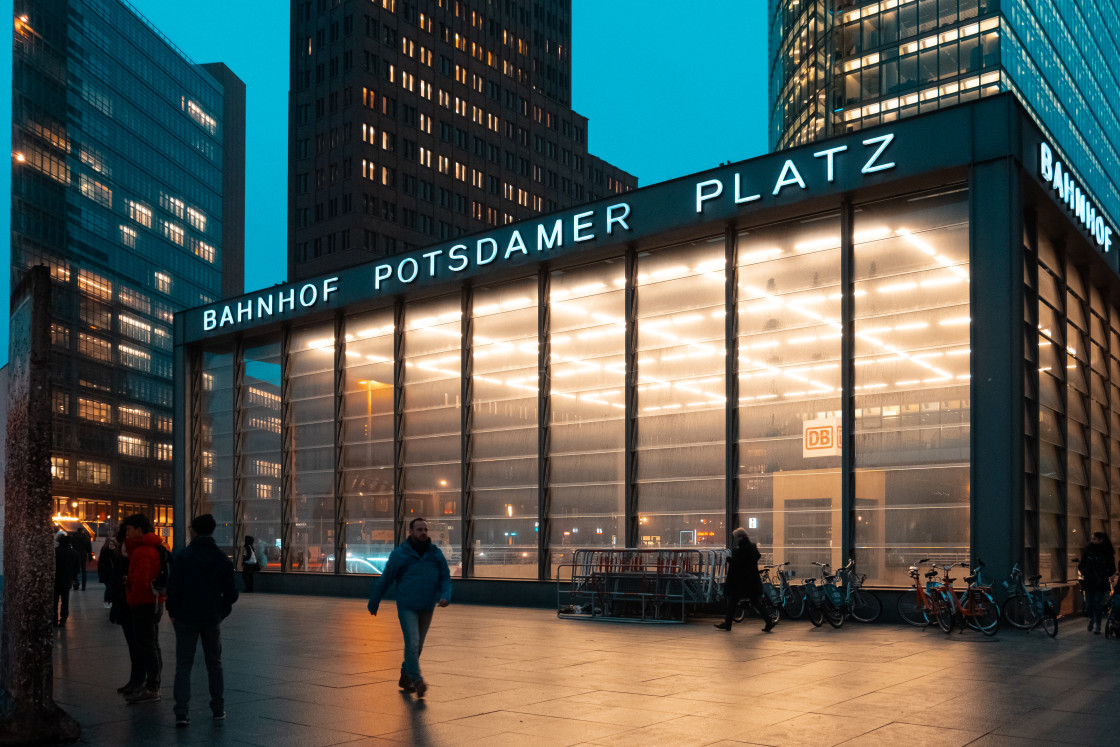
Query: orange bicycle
x,y
974,607
917,608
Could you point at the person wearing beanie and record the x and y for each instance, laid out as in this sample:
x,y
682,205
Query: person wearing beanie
x,y
200,594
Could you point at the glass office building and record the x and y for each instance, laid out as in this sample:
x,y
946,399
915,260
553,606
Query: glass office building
x,y
842,65
127,158
892,345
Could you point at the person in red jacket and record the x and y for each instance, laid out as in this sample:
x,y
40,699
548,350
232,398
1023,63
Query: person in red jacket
x,y
144,605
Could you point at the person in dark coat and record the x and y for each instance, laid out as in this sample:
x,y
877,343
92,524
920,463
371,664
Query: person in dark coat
x,y
743,581
112,569
83,545
423,581
65,571
250,563
1097,566
200,594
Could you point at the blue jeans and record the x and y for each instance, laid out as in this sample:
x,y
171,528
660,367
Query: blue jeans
x,y
414,625
186,641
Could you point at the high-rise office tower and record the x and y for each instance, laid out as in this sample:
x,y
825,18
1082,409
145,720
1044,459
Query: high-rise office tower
x,y
128,183
841,65
413,122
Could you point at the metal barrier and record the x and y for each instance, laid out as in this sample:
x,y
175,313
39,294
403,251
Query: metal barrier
x,y
640,585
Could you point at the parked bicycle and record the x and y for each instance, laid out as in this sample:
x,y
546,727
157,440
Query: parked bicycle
x,y
862,605
823,601
917,608
1028,605
974,607
789,599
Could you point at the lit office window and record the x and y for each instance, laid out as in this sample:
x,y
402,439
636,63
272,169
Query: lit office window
x,y
163,452
912,367
197,219
140,213
681,395
95,190
173,205
91,409
173,232
128,236
93,473
132,446
202,250
95,347
136,329
134,417
60,468
136,358
95,285
162,282
199,115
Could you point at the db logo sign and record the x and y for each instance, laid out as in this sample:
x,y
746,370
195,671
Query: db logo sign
x,y
820,438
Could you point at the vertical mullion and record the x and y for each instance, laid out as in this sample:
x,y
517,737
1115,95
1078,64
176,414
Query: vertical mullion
x,y
240,397
731,372
466,422
631,390
544,418
398,421
287,450
847,382
339,466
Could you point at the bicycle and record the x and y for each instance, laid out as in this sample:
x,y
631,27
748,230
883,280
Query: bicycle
x,y
1027,608
769,604
789,599
974,607
917,608
823,602
863,606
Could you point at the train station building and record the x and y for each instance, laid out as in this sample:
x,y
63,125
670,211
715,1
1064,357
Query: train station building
x,y
898,343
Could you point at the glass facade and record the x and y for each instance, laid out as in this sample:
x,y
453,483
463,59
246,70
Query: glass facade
x,y
117,187
518,429
842,65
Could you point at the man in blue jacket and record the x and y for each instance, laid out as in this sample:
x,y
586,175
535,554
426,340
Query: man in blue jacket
x,y
200,594
423,580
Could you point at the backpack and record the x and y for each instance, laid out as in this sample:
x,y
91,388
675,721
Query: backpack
x,y
159,583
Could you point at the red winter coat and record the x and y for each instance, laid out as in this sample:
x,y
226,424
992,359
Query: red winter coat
x,y
143,565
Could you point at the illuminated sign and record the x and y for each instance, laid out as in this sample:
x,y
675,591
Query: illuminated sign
x,y
1069,192
820,438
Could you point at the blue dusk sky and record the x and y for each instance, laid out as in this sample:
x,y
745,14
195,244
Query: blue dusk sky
x,y
669,90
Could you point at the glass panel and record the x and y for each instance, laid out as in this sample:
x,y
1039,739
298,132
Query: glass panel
x,y
432,421
681,396
367,442
217,446
789,390
261,451
588,422
504,430
912,366
311,382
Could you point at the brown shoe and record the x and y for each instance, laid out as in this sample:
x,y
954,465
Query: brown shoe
x,y
406,684
723,626
421,688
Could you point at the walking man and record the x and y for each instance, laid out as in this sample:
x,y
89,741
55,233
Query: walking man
x,y
423,580
144,604
743,580
200,594
65,571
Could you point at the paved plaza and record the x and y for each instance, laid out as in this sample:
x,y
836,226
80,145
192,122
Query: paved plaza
x,y
313,671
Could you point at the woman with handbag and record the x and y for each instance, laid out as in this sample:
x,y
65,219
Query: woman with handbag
x,y
250,563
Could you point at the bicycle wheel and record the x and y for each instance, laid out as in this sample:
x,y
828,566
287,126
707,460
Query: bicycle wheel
x,y
911,610
772,613
740,611
865,606
834,615
1050,620
985,615
794,605
1019,612
945,612
816,615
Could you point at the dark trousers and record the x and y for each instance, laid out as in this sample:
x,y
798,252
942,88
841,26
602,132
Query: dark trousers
x,y
83,575
733,602
145,619
128,627
248,571
1094,606
186,642
62,599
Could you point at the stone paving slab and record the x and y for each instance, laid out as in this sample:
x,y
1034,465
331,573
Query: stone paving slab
x,y
318,671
